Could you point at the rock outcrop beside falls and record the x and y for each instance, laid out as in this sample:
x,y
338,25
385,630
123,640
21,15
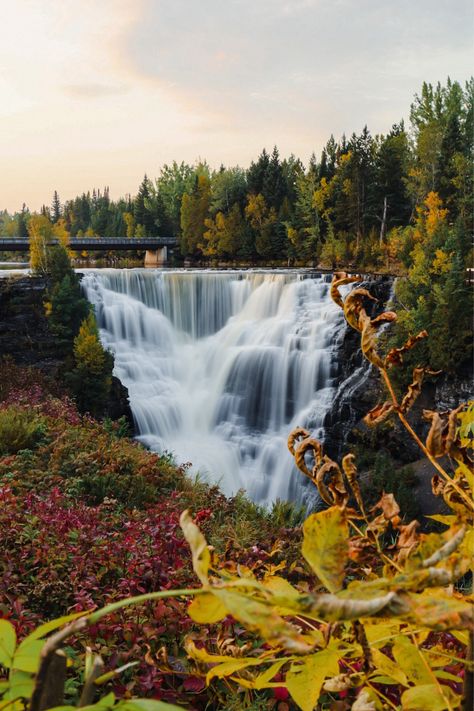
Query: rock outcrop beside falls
x,y
360,388
25,337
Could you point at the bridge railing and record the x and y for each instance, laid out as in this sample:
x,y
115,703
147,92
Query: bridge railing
x,y
93,243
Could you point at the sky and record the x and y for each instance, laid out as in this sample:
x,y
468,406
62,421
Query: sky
x,y
100,93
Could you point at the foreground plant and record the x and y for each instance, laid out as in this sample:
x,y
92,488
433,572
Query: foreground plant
x,y
385,626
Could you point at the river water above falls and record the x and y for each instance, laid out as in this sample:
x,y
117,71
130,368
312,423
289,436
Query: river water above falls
x,y
220,366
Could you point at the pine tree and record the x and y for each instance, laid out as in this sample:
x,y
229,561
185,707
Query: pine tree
x,y
55,207
91,378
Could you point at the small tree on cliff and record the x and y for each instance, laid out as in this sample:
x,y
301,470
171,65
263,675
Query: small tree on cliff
x,y
91,379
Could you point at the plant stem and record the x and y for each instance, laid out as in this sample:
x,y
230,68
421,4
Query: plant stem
x,y
108,609
413,434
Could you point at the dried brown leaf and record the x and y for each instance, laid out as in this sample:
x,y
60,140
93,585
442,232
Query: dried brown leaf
x,y
378,414
353,306
350,470
408,539
414,389
333,492
388,506
435,442
298,433
339,279
369,340
395,355
385,317
308,445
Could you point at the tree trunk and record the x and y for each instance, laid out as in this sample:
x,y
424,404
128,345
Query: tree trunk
x,y
383,224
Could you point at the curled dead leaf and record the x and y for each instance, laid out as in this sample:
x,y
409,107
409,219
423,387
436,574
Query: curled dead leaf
x,y
339,279
308,445
378,414
353,306
296,435
385,317
350,470
388,505
369,340
395,355
435,443
333,492
414,389
408,540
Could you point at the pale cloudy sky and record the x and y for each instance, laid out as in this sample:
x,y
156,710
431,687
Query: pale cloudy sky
x,y
98,92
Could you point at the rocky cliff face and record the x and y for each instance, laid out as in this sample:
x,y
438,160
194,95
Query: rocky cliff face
x,y
360,388
25,336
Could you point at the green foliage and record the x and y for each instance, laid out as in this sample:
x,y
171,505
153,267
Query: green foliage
x,y
66,309
91,379
19,429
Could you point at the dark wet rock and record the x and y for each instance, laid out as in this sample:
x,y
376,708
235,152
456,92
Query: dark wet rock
x,y
25,337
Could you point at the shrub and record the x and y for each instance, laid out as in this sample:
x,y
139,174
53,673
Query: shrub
x,y
19,429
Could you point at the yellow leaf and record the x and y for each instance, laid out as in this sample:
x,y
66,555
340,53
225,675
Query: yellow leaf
x,y
304,680
228,668
207,609
263,681
325,546
429,697
410,660
388,667
263,618
197,543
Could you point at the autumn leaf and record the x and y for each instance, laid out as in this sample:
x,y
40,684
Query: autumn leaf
x,y
295,436
378,414
395,355
207,609
333,491
307,445
353,306
325,546
339,279
429,697
197,543
305,679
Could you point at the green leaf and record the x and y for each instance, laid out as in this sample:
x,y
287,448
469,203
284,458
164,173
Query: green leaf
x,y
27,656
304,680
21,685
325,546
197,543
146,705
207,609
106,702
429,697
7,643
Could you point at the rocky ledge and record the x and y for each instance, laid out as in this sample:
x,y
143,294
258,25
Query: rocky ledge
x,y
25,337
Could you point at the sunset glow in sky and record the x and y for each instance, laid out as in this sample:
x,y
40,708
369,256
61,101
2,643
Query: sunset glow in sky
x,y
98,93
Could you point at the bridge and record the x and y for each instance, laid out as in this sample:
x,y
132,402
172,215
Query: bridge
x,y
155,248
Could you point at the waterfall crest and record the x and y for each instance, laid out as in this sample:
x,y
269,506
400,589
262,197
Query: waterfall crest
x,y
220,366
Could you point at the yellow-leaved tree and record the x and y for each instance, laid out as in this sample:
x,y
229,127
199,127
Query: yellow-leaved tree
x,y
40,233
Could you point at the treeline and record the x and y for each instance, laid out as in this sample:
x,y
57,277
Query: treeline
x,y
347,207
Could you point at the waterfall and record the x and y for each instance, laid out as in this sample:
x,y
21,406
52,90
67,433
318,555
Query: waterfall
x,y
220,366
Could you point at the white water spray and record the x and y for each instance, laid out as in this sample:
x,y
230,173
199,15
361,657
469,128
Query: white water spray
x,y
220,366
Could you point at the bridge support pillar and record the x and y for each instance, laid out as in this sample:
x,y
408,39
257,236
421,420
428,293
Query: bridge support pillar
x,y
156,257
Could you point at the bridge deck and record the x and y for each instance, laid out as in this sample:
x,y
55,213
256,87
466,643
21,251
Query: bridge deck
x,y
99,244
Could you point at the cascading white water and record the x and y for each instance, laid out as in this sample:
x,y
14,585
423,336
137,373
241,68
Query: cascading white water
x,y
220,366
